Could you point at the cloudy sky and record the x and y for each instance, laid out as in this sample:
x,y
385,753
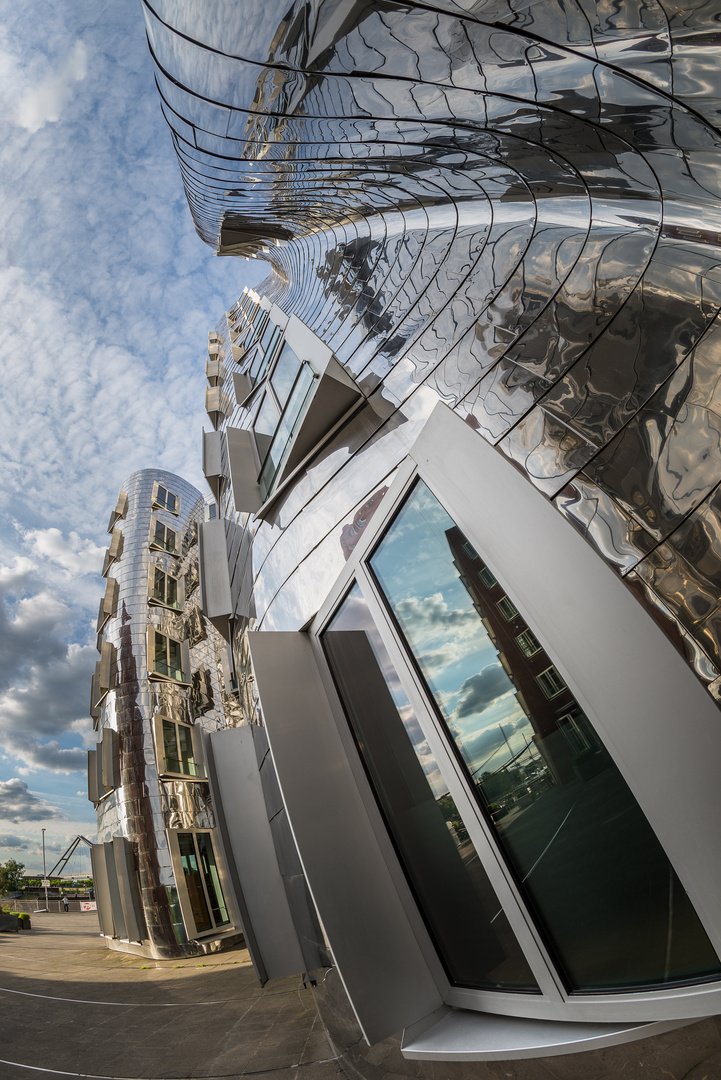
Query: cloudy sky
x,y
107,296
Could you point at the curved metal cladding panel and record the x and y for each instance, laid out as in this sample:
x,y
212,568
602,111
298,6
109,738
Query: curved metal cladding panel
x,y
513,208
144,806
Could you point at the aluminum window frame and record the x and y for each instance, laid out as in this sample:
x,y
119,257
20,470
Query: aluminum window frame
x,y
160,756
682,1002
183,898
153,672
156,545
153,600
158,505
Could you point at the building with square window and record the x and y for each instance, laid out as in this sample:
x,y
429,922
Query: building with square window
x,y
464,443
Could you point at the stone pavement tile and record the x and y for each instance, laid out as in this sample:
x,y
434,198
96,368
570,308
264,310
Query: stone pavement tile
x,y
591,1065
668,1056
705,1071
524,1069
317,1044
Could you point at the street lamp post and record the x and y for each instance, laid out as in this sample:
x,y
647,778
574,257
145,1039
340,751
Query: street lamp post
x,y
45,879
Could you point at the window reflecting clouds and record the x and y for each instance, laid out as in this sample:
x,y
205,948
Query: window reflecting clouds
x,y
607,900
461,908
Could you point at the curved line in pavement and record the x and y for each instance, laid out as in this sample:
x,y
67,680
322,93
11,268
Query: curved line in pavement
x,y
138,1004
215,1076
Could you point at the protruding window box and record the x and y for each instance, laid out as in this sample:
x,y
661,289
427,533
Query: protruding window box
x,y
213,371
109,603
244,467
213,461
163,538
215,597
202,895
119,512
164,590
304,395
214,405
168,658
164,499
215,350
103,679
114,551
178,749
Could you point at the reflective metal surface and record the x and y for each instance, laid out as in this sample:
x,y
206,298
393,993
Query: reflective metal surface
x,y
142,807
512,207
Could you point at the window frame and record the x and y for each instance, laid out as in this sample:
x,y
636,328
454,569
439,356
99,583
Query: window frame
x,y
553,674
183,898
158,505
265,390
534,651
155,544
698,999
159,718
180,588
153,672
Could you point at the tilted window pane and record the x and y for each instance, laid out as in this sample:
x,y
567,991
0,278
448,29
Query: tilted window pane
x,y
265,424
193,882
159,585
170,747
285,374
186,758
603,892
174,659
161,654
166,499
461,908
212,879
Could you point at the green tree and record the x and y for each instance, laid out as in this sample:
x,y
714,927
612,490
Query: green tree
x,y
10,874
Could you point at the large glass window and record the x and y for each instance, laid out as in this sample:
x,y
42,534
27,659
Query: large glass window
x,y
604,895
460,905
202,881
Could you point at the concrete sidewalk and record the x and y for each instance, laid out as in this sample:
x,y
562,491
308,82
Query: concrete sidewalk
x,y
69,1007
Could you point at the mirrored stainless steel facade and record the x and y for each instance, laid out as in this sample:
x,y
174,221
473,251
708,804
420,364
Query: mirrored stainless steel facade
x,y
506,216
150,717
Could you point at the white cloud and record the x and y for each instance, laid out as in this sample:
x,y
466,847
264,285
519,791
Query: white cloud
x,y
43,103
79,557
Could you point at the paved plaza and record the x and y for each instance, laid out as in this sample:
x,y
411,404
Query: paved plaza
x,y
69,1007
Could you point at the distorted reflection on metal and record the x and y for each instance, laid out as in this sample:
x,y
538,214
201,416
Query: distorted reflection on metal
x,y
512,209
517,208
